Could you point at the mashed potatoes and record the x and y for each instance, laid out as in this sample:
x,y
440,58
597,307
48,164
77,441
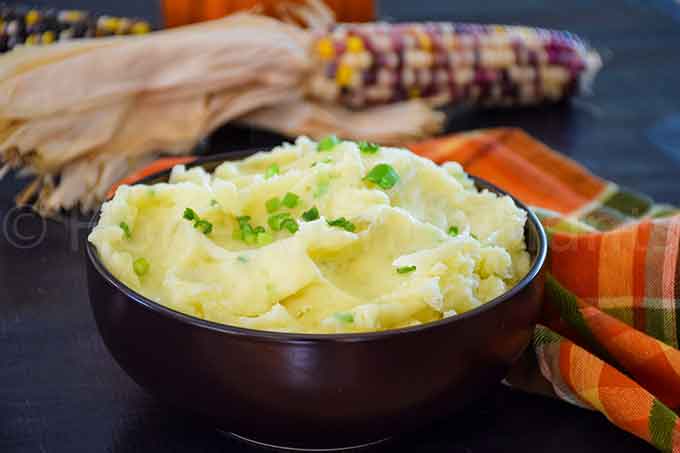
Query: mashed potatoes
x,y
315,237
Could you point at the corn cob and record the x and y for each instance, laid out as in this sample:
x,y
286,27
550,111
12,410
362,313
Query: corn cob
x,y
360,65
19,25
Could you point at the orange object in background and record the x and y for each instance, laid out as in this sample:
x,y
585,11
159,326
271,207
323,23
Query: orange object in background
x,y
182,12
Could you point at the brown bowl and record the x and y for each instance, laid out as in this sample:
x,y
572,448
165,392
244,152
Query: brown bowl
x,y
316,391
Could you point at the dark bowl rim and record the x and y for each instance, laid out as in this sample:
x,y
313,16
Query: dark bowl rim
x,y
266,335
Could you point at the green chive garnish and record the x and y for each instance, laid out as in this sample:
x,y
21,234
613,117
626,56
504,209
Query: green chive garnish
x,y
200,224
264,238
140,266
290,200
242,220
272,170
242,259
204,226
453,231
214,202
249,236
344,317
322,188
405,269
310,215
328,143
291,225
126,229
474,236
276,220
190,214
273,204
368,147
383,175
342,223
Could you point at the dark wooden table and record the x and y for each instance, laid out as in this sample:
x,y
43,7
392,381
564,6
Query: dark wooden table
x,y
61,392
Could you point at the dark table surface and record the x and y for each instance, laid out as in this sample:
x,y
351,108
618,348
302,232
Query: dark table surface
x,y
60,391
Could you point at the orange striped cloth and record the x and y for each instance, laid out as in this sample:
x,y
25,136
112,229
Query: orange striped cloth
x,y
610,332
611,326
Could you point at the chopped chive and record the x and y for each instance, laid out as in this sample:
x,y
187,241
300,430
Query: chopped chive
x,y
368,147
342,223
453,231
405,269
242,259
323,186
200,224
291,225
327,160
264,238
383,175
272,170
344,317
249,237
140,266
190,214
310,215
276,220
314,164
290,200
243,219
204,226
328,143
214,202
273,204
474,236
126,229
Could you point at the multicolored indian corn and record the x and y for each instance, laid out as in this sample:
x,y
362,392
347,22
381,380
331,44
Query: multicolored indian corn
x,y
367,64
26,26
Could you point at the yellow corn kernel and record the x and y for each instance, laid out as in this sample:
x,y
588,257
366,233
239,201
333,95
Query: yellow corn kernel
x,y
70,15
31,40
140,28
325,48
424,41
122,26
32,17
344,75
414,93
109,23
355,44
48,37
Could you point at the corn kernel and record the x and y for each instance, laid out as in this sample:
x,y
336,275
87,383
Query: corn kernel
x,y
414,92
344,75
355,44
110,23
70,16
122,26
31,40
424,41
32,17
140,28
325,49
48,37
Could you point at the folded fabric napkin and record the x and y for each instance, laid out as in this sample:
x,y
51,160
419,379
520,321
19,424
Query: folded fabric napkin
x,y
609,336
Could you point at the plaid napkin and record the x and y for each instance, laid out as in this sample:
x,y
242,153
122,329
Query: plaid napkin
x,y
608,340
611,324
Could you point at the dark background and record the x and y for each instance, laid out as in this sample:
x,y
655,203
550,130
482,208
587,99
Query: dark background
x,y
61,392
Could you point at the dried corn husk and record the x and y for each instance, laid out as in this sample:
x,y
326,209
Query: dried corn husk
x,y
81,114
